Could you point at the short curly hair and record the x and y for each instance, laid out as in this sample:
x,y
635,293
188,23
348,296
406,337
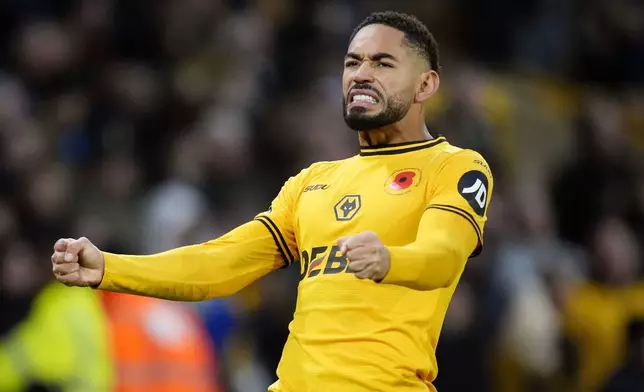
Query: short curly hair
x,y
417,35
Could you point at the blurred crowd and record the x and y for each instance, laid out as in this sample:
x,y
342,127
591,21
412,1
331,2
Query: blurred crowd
x,y
149,125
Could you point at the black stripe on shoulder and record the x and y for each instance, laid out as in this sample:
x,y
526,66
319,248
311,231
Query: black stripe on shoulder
x,y
279,238
468,217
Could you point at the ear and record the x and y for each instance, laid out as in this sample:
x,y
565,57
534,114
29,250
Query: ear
x,y
429,82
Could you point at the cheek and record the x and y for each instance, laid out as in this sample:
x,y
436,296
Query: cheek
x,y
346,82
395,94
395,86
402,92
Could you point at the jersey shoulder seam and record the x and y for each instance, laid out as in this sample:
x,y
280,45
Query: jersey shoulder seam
x,y
460,152
322,166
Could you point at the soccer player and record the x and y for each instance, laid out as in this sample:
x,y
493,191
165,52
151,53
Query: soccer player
x,y
382,237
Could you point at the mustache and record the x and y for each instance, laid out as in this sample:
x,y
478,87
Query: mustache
x,y
364,86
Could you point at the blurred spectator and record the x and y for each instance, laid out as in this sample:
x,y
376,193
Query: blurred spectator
x,y
602,177
176,206
60,342
158,346
597,313
631,376
529,259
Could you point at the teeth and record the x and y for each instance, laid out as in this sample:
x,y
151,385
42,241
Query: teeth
x,y
364,98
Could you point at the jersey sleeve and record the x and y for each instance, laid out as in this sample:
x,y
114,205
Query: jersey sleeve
x,y
214,269
279,221
463,186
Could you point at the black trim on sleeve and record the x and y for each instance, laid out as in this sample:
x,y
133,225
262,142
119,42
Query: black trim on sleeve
x,y
279,233
279,248
459,211
278,238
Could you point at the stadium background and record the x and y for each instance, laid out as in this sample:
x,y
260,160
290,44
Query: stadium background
x,y
148,125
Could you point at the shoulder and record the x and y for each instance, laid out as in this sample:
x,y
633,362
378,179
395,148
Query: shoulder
x,y
295,184
325,166
318,169
454,158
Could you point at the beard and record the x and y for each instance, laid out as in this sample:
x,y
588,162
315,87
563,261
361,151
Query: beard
x,y
359,119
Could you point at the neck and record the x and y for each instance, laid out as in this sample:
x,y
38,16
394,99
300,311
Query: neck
x,y
403,131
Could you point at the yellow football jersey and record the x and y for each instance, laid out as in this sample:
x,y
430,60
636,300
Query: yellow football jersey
x,y
427,203
358,335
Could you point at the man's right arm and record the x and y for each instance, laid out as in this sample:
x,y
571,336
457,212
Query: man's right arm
x,y
217,268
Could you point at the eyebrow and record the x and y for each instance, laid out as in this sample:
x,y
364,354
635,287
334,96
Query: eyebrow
x,y
375,57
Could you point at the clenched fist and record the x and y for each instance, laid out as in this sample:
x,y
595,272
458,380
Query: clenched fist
x,y
77,262
368,256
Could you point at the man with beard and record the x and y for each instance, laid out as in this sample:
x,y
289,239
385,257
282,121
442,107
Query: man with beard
x,y
382,238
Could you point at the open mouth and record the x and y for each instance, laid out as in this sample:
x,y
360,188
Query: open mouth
x,y
364,98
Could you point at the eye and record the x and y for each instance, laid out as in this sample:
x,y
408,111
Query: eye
x,y
380,64
350,63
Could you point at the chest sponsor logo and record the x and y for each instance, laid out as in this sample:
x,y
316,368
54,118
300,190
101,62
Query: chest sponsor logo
x,y
322,260
402,181
347,207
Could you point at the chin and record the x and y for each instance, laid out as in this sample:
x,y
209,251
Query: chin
x,y
362,123
363,119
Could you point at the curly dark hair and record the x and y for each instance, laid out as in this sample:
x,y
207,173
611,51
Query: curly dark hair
x,y
417,35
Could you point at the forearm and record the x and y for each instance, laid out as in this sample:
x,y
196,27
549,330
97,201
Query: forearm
x,y
437,258
423,268
217,268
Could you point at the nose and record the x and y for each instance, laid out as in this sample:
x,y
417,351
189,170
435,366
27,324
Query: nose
x,y
364,74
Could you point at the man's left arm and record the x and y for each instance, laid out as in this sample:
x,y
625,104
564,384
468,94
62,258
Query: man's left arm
x,y
450,231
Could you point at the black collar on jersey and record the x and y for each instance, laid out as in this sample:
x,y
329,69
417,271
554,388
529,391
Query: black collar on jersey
x,y
400,148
